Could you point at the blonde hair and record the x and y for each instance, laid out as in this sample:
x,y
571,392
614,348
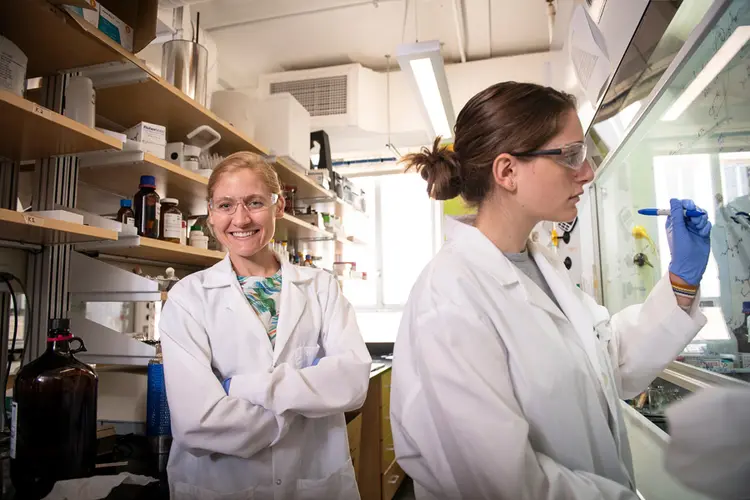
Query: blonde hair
x,y
245,160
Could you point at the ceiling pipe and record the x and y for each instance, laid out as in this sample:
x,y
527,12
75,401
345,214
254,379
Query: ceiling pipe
x,y
319,10
459,30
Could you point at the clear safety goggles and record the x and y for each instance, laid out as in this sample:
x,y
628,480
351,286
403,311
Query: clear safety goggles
x,y
253,204
571,155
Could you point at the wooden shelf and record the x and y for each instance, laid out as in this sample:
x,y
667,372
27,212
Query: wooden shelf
x,y
157,101
306,187
53,40
350,240
30,132
120,173
139,247
61,41
17,226
292,228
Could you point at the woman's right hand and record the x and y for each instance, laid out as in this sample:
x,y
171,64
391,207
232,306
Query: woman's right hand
x,y
689,242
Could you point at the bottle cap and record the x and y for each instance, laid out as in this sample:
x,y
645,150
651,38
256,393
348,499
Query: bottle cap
x,y
170,201
126,203
147,181
59,324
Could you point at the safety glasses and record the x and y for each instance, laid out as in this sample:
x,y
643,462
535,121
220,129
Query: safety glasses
x,y
571,155
253,204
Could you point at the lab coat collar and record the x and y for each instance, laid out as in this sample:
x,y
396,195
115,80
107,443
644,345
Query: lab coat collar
x,y
293,299
461,232
487,257
221,274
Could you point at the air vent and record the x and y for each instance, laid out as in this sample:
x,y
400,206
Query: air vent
x,y
319,96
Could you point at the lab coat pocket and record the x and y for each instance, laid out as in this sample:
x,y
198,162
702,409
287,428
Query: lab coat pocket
x,y
305,356
184,491
341,485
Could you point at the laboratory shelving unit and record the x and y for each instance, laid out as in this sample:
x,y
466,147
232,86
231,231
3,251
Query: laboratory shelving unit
x,y
127,92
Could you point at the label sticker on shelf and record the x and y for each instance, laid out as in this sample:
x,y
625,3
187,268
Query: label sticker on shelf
x,y
38,109
33,220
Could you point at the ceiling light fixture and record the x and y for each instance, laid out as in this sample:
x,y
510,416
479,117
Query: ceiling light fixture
x,y
723,56
424,65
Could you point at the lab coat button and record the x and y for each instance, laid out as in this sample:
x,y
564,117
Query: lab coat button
x,y
278,482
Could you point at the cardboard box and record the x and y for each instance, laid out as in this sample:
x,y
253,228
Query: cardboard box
x,y
148,133
140,15
107,22
158,150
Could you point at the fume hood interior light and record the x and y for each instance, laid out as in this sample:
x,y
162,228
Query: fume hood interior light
x,y
718,62
424,65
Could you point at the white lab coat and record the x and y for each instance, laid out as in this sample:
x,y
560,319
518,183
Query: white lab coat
x,y
709,446
280,433
488,399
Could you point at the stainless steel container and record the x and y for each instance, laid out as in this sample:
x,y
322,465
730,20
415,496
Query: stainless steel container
x,y
184,64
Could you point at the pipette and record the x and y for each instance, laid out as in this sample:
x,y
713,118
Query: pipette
x,y
662,211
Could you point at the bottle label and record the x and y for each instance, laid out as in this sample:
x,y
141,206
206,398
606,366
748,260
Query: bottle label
x,y
129,221
157,207
13,430
172,226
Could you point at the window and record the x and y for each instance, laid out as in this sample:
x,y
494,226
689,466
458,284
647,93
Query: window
x,y
402,232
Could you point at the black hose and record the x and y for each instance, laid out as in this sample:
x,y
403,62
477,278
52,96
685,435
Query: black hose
x,y
13,344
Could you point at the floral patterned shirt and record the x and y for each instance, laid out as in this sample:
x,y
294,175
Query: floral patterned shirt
x,y
264,295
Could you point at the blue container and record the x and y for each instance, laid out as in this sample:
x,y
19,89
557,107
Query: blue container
x,y
158,426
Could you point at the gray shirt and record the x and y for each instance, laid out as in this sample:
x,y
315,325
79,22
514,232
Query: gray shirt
x,y
526,264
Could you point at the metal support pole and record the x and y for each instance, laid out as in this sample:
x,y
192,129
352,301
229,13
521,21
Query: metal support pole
x,y
48,272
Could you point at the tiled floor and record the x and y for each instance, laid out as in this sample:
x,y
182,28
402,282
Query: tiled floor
x,y
406,491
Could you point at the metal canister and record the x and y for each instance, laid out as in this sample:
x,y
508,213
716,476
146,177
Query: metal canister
x,y
158,425
184,64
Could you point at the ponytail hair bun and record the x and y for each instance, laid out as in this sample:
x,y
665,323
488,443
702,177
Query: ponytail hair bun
x,y
441,169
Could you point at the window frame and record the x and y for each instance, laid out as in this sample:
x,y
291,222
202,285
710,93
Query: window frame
x,y
436,230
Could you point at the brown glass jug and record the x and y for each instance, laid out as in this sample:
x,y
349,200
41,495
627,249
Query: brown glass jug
x,y
53,427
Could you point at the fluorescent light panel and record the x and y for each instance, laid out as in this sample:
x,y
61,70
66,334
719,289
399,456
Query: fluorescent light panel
x,y
424,74
422,62
723,56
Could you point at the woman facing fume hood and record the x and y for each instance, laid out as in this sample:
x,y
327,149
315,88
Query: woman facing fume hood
x,y
507,377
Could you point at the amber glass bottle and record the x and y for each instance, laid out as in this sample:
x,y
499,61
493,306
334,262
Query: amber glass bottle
x,y
53,426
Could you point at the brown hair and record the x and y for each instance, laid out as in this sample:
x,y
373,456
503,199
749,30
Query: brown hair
x,y
250,161
506,117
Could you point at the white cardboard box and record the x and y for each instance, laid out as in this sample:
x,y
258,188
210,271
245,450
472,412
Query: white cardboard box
x,y
108,23
285,128
148,133
159,150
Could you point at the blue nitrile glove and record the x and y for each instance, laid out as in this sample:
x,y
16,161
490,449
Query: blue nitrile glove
x,y
689,242
317,360
225,385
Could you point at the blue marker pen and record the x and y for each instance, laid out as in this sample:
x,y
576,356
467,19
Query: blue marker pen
x,y
662,211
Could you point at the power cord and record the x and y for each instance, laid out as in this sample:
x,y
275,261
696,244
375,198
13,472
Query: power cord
x,y
8,278
6,378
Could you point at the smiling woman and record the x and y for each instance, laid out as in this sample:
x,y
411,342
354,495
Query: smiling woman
x,y
251,346
245,179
